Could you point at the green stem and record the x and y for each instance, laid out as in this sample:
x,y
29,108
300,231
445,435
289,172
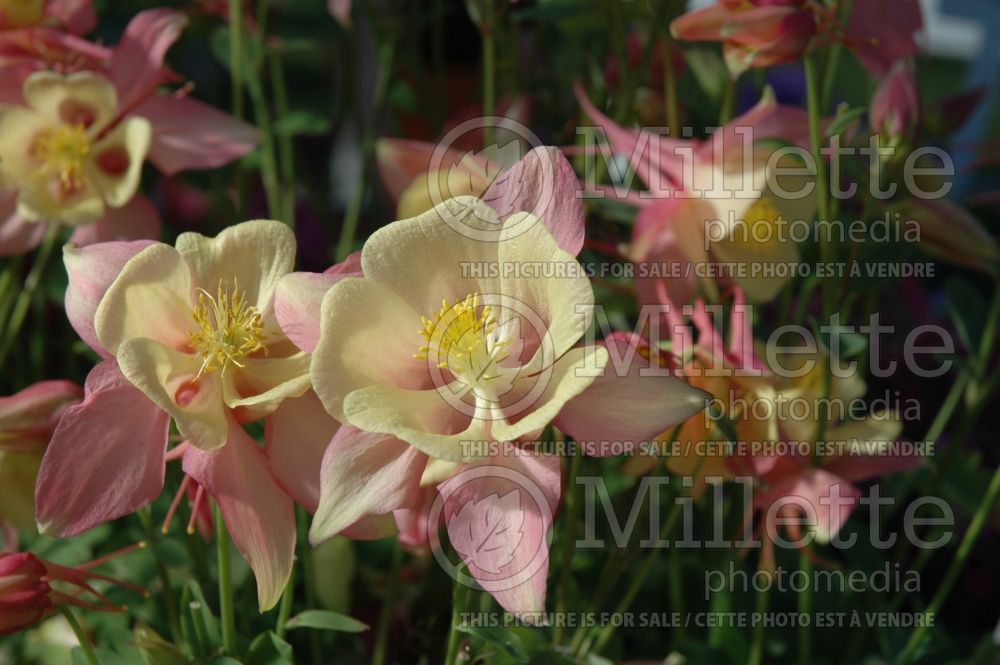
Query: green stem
x,y
975,527
7,279
489,69
459,600
345,245
81,636
27,293
670,84
756,656
639,578
309,579
805,609
285,608
566,557
226,609
830,72
169,600
236,55
269,161
822,181
385,613
286,149
727,108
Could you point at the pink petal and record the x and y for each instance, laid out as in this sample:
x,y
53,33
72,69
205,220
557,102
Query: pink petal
x,y
299,296
18,235
659,172
704,24
189,134
297,435
297,303
136,220
498,512
136,66
883,32
629,402
363,474
91,270
106,457
371,527
257,512
812,494
28,418
77,16
859,468
767,119
543,183
413,523
401,160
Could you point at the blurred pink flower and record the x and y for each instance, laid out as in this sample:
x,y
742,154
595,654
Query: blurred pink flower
x,y
756,33
895,107
881,32
185,133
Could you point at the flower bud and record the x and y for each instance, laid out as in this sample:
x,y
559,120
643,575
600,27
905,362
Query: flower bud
x,y
895,108
24,593
28,418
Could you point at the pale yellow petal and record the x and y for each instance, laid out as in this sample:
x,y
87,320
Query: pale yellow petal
x,y
170,379
115,166
150,298
80,98
254,254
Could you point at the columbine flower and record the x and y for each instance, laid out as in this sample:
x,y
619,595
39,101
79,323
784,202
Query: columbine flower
x,y
27,420
189,334
755,33
76,16
27,594
895,107
421,355
65,153
108,99
710,202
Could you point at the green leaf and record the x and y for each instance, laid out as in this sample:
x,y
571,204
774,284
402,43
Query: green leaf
x,y
502,639
968,311
269,649
323,620
845,116
301,123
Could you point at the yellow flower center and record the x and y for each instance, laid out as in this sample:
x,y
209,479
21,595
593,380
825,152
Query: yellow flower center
x,y
63,152
228,329
459,339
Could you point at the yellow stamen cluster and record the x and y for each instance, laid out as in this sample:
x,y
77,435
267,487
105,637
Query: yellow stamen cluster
x,y
63,152
457,338
228,329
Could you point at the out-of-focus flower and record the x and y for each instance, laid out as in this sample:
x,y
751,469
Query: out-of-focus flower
x,y
895,108
756,33
65,154
27,594
881,32
949,231
495,361
341,11
74,16
716,201
99,128
27,421
189,334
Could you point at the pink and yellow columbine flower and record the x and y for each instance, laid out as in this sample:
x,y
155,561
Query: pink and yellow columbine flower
x,y
110,95
422,355
755,33
189,335
75,16
712,203
66,153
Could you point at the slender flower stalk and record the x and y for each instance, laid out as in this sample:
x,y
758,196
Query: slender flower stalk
x,y
805,609
81,635
489,68
285,608
822,179
975,528
226,598
345,245
385,613
460,599
27,294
